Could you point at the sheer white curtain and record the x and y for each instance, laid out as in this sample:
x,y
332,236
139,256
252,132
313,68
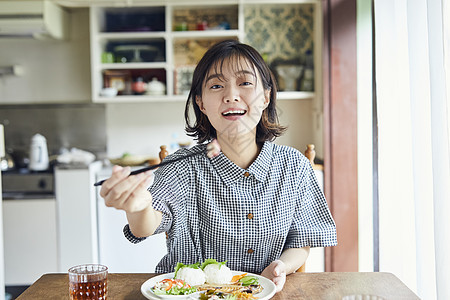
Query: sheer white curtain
x,y
412,50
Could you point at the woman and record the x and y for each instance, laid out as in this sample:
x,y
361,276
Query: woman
x,y
254,204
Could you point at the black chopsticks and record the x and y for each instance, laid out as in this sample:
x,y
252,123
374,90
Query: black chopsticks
x,y
165,162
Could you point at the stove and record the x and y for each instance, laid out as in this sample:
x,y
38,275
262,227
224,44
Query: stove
x,y
23,183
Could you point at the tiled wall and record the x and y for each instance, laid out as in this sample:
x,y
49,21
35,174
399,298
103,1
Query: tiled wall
x,y
72,125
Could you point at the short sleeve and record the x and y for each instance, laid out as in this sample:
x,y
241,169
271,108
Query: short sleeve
x,y
168,191
312,223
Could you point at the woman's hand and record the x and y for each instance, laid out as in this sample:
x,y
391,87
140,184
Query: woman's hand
x,y
213,149
276,272
128,193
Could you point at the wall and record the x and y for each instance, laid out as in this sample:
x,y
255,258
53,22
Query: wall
x,y
365,135
70,125
55,71
142,128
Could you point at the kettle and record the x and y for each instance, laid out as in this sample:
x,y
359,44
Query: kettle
x,y
38,153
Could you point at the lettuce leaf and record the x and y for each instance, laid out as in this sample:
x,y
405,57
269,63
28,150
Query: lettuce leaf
x,y
210,261
181,265
248,280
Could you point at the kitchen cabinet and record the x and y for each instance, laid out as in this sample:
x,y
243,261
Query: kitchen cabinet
x,y
30,239
77,215
115,251
165,41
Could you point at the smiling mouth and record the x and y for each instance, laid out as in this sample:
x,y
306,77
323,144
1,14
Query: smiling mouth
x,y
234,113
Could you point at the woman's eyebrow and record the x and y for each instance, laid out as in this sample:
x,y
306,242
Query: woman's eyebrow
x,y
238,73
212,76
243,72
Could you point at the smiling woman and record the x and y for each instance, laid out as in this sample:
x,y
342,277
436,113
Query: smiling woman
x,y
256,205
245,73
233,101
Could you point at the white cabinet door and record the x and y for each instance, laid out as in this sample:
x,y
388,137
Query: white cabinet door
x,y
120,255
2,264
77,216
29,239
115,251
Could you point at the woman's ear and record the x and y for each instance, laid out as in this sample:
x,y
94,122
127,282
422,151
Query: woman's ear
x,y
267,97
199,102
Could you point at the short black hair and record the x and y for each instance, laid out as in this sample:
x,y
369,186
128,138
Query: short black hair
x,y
201,130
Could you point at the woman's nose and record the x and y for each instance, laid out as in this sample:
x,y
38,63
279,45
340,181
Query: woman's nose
x,y
231,94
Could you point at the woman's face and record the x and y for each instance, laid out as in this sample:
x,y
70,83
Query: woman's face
x,y
234,99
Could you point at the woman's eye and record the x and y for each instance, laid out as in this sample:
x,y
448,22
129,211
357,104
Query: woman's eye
x,y
246,83
216,86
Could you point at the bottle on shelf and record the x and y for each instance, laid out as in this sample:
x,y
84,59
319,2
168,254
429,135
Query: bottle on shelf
x,y
307,84
163,153
310,153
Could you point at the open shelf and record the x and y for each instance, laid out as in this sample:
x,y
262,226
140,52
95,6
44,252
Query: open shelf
x,y
181,37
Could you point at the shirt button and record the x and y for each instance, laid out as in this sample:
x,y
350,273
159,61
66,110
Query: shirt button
x,y
246,174
250,251
250,216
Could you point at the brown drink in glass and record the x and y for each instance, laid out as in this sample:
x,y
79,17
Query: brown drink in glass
x,y
88,282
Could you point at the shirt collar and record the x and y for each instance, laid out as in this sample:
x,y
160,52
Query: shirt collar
x,y
231,173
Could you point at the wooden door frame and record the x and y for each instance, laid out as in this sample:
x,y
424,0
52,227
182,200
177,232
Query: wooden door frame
x,y
340,130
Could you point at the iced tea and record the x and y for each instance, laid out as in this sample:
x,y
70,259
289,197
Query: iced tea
x,y
88,282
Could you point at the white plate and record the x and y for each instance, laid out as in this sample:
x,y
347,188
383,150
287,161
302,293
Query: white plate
x,y
267,293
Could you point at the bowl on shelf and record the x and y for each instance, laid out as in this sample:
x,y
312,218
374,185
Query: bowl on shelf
x,y
108,92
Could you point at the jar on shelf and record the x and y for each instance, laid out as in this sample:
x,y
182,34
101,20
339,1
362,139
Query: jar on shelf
x,y
203,25
139,87
156,87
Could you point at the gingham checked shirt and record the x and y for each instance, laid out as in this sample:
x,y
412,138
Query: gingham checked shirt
x,y
212,208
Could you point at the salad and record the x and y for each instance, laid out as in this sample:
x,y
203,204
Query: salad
x,y
173,287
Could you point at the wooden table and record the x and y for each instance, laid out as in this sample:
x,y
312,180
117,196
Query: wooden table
x,y
332,285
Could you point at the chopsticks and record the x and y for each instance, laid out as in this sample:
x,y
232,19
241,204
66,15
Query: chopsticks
x,y
155,166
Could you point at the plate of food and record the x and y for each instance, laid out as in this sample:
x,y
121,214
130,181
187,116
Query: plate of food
x,y
209,280
128,159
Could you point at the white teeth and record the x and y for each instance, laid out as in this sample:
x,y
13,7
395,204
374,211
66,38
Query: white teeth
x,y
230,112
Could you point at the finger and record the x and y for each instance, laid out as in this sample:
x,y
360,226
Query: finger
x,y
279,282
278,268
139,184
117,168
278,279
118,174
213,149
122,191
140,198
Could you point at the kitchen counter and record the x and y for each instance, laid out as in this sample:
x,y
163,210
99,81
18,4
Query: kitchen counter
x,y
76,166
25,196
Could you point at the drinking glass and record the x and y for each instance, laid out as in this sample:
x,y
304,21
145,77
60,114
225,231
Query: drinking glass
x,y
88,281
